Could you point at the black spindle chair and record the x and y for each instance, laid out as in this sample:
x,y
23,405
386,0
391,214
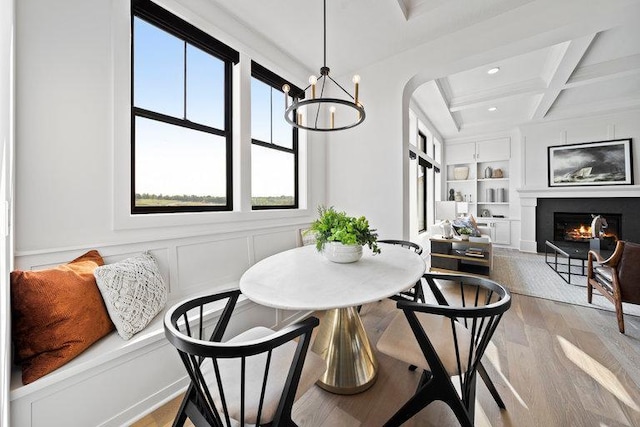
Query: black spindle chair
x,y
446,341
253,378
415,292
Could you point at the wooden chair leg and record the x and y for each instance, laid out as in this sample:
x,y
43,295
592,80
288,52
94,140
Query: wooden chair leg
x,y
589,291
620,315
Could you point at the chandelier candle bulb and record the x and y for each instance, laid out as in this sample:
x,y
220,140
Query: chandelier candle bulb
x,y
312,81
286,88
356,80
332,110
299,118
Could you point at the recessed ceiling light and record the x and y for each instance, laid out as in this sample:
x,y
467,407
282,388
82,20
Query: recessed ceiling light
x,y
493,70
493,108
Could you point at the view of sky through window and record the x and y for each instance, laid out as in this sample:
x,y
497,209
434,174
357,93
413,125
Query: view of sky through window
x,y
177,79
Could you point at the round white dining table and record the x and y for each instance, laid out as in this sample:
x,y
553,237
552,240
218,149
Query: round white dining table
x,y
303,279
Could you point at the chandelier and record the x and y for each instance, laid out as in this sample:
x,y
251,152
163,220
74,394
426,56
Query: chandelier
x,y
324,114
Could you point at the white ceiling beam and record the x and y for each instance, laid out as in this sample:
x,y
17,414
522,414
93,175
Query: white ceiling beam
x,y
488,97
599,107
572,57
443,102
607,70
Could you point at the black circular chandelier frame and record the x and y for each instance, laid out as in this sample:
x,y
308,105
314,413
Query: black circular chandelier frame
x,y
291,114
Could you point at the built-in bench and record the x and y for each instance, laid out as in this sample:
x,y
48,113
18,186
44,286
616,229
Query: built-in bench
x,y
115,382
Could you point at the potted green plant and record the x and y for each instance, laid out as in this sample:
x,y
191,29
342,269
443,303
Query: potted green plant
x,y
465,232
340,237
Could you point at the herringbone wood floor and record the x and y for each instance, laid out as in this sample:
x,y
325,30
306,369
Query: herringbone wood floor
x,y
554,364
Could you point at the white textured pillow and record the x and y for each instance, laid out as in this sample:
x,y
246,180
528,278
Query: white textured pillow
x,y
133,291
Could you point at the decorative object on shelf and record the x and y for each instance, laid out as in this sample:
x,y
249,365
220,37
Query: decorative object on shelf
x,y
485,213
336,227
591,163
458,197
500,195
325,114
447,229
461,173
452,197
488,172
497,173
489,197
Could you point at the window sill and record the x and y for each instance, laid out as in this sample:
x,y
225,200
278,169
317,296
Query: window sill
x,y
137,221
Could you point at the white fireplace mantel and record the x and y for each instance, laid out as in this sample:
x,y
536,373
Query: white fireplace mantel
x,y
529,200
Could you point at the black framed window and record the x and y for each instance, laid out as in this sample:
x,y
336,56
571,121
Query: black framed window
x,y
422,142
181,138
274,143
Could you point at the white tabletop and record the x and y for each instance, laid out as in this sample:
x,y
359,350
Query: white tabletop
x,y
303,279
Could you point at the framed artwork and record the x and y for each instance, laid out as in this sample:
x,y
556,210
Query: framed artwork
x,y
591,163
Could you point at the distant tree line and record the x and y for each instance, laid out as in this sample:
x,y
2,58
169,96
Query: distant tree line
x,y
208,200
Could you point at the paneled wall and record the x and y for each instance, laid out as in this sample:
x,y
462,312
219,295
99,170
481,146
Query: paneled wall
x,y
139,374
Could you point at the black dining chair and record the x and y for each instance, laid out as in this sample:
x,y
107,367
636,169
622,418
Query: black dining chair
x,y
447,340
414,293
253,378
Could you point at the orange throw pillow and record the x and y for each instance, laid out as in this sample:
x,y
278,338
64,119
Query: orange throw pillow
x,y
56,315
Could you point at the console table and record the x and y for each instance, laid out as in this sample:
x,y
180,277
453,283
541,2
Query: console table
x,y
457,255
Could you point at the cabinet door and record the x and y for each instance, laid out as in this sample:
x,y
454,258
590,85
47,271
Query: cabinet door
x,y
460,153
502,232
493,150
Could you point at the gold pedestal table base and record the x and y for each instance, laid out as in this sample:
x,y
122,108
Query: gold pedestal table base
x,y
341,340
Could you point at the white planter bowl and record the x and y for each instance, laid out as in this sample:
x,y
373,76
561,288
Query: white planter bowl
x,y
343,254
461,172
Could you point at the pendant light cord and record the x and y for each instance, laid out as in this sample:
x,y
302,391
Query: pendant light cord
x,y
325,33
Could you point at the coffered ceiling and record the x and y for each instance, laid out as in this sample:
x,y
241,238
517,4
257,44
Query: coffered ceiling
x,y
595,74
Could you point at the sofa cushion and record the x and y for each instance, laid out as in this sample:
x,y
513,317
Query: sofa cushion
x,y
134,292
57,313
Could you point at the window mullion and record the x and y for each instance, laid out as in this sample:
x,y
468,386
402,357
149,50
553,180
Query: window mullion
x,y
184,82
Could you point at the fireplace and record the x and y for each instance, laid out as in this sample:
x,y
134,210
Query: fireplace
x,y
576,227
569,219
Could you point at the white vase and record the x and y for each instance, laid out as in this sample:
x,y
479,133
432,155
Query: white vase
x,y
340,253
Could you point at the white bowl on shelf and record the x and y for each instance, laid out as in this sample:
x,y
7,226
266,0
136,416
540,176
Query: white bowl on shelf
x,y
461,172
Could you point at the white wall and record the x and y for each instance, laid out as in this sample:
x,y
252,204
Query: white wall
x,y
368,163
72,121
7,20
537,137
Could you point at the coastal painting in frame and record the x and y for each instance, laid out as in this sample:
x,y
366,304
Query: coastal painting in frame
x,y
591,163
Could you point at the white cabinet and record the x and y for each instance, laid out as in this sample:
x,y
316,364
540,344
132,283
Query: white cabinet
x,y
498,230
460,153
483,151
493,150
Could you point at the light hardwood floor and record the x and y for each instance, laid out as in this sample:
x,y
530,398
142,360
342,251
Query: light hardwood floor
x,y
554,364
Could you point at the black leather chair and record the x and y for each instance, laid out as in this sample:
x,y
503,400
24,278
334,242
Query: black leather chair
x,y
616,278
253,378
447,340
